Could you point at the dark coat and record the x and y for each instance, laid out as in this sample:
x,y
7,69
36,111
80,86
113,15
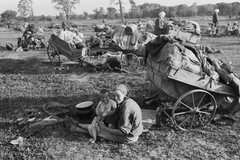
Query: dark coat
x,y
215,17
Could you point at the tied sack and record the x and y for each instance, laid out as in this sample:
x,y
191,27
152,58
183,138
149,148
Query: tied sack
x,y
178,56
130,29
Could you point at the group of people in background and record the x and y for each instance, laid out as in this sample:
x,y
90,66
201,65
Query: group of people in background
x,y
32,38
213,28
74,38
232,29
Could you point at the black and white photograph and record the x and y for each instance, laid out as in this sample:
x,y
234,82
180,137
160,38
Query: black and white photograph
x,y
119,80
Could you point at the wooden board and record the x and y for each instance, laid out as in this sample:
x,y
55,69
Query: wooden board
x,y
148,118
192,79
189,37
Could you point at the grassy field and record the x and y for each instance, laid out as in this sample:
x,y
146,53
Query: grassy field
x,y
27,82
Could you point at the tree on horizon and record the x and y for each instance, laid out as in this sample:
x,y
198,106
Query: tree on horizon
x,y
65,6
120,6
25,8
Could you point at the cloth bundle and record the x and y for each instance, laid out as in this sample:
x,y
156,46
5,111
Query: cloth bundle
x,y
124,41
165,50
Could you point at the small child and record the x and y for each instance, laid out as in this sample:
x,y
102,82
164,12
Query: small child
x,y
104,107
212,30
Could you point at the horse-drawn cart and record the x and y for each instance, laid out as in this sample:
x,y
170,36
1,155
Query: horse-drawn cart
x,y
197,92
57,47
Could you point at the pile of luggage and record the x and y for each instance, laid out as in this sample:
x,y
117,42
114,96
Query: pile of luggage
x,y
31,39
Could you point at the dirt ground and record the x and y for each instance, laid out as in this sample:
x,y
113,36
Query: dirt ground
x,y
28,79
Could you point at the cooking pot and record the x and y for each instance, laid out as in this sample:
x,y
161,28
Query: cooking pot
x,y
84,109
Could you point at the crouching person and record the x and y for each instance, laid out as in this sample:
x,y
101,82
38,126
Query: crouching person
x,y
129,125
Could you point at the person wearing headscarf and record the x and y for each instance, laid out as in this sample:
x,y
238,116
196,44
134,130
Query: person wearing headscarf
x,y
160,27
215,19
129,125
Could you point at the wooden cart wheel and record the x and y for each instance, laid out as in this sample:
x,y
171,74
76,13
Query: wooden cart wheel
x,y
130,62
53,54
194,109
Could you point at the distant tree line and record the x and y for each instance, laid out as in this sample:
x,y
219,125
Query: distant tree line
x,y
150,10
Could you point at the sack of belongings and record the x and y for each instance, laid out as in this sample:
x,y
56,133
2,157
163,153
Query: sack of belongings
x,y
150,27
188,26
130,29
166,50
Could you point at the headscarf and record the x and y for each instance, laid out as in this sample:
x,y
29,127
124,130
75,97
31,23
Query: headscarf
x,y
162,14
216,10
122,88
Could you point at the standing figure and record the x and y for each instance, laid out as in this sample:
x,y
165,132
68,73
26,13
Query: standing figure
x,y
215,19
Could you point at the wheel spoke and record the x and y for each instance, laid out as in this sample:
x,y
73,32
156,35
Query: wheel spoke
x,y
207,104
193,100
203,112
192,121
184,120
181,113
185,105
201,100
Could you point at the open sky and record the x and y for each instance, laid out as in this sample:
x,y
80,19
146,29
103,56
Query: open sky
x,y
45,7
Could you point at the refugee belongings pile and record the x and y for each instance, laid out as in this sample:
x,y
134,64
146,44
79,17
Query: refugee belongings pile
x,y
185,29
31,39
103,36
108,61
35,118
164,53
122,38
131,39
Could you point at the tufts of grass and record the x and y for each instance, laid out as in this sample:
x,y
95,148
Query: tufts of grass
x,y
29,83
